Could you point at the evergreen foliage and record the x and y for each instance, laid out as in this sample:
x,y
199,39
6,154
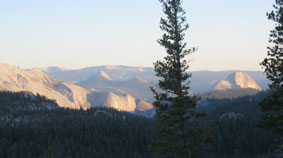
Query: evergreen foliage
x,y
237,136
65,133
12,102
230,93
42,132
272,106
175,108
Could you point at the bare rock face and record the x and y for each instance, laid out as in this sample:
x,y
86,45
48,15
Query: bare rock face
x,y
223,85
237,80
143,105
66,95
111,100
79,95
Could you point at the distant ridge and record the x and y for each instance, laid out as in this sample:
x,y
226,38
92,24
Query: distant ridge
x,y
52,69
201,81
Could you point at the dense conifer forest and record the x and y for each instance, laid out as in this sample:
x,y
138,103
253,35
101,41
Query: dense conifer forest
x,y
62,133
33,127
230,93
235,125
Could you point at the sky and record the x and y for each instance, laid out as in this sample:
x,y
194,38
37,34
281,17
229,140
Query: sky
x,y
229,35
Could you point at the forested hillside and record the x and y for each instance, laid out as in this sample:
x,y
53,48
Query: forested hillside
x,y
49,131
235,126
230,93
42,133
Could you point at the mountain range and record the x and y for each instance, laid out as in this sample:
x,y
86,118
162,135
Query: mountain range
x,y
201,81
69,95
121,87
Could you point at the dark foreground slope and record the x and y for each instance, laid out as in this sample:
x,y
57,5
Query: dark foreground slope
x,y
235,125
33,127
62,133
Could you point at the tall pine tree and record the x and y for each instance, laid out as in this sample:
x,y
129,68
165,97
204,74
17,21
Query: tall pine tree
x,y
175,108
272,106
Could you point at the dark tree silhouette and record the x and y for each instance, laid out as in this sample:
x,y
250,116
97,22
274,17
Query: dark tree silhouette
x,y
272,106
175,108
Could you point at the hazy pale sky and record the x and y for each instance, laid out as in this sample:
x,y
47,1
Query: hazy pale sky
x,y
230,34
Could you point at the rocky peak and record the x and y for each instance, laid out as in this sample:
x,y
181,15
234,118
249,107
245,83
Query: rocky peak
x,y
237,80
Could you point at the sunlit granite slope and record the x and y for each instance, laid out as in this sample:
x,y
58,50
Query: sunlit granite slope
x,y
237,80
66,95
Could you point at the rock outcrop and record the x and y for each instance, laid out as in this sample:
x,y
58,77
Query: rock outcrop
x,y
237,80
111,100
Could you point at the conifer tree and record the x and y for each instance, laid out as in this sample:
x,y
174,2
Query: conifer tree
x,y
272,106
175,108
